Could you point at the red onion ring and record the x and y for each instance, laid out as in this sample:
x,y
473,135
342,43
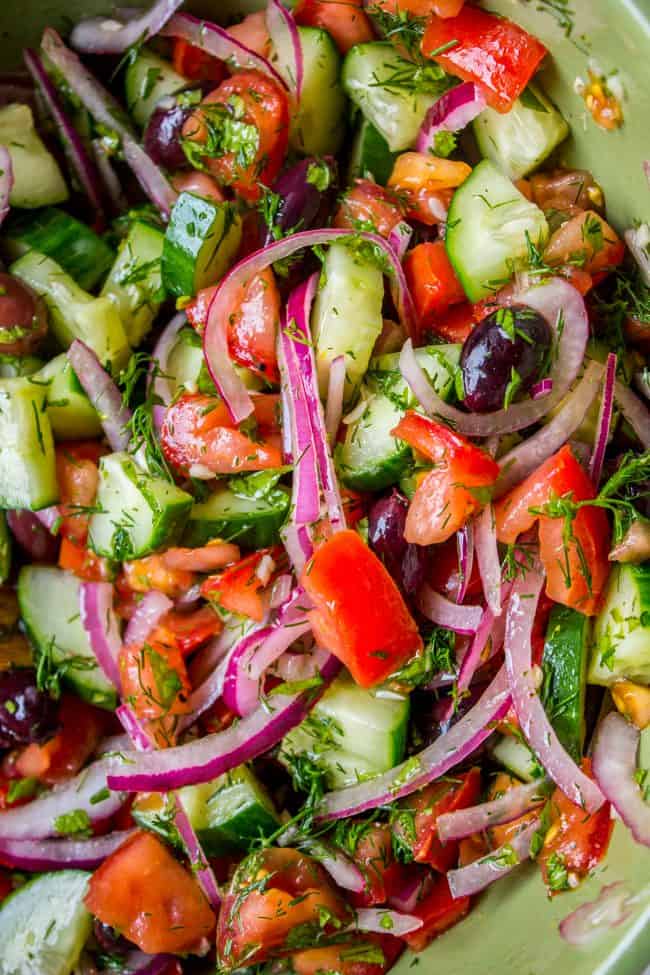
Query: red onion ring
x,y
506,808
102,627
414,889
400,237
604,421
381,920
198,861
590,921
33,535
102,393
615,750
438,609
542,388
487,554
637,241
101,35
343,871
478,875
335,391
139,737
109,177
635,412
465,545
162,388
454,110
282,27
6,181
55,854
151,608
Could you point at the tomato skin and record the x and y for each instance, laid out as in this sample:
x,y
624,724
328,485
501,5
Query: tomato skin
x,y
345,20
151,572
77,474
367,203
455,324
589,235
145,893
155,684
265,106
417,170
443,500
239,588
82,727
83,562
360,615
383,874
422,8
190,630
491,51
340,958
256,919
195,64
432,282
439,912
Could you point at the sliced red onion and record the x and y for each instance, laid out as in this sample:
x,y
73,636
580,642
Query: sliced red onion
x,y
32,534
280,591
343,871
51,854
275,644
103,35
200,866
37,819
139,737
487,554
506,808
415,888
109,177
638,241
217,356
151,608
151,178
444,753
635,412
335,390
589,922
542,388
299,666
438,609
162,388
298,544
604,421
478,875
75,151
284,32
50,518
533,451
218,43
465,544
102,393
453,111
206,758
559,302
380,920
102,627
615,762
240,691
400,237
6,181
534,723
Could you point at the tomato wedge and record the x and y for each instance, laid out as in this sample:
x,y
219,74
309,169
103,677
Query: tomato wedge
x,y
345,20
439,911
369,206
242,588
384,875
433,284
155,684
370,954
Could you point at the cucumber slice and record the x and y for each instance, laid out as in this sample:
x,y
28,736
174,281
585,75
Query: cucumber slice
x,y
202,238
371,158
27,461
74,314
137,513
621,643
71,414
520,140
49,606
38,180
489,227
317,127
250,510
370,458
516,757
75,247
394,110
566,651
44,925
5,549
185,361
350,733
134,283
347,316
149,78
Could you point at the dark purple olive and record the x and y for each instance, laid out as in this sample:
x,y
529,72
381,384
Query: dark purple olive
x,y
386,522
26,714
39,543
162,135
503,355
23,317
109,940
306,192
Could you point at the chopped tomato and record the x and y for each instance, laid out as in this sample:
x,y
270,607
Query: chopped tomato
x,y
416,824
345,20
384,875
367,206
197,434
450,493
455,324
360,614
575,843
142,891
260,107
152,572
6,887
577,565
82,727
439,911
432,282
242,588
78,477
370,954
589,239
414,170
422,8
83,562
155,684
214,555
195,64
493,52
272,893
444,573
253,32
190,630
198,183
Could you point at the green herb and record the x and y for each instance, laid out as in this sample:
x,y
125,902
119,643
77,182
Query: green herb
x,y
53,667
438,656
400,27
21,789
100,796
537,841
319,175
223,132
444,143
413,79
513,387
136,389
557,874
75,823
504,857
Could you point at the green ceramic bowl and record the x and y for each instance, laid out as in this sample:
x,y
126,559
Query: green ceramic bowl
x,y
513,930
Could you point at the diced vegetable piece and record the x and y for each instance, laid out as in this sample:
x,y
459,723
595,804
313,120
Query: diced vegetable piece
x,y
371,158
316,128
38,180
249,510
621,644
515,756
202,238
134,283
149,78
27,463
71,414
566,651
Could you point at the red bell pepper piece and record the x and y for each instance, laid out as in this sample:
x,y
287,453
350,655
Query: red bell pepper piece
x,y
439,911
432,282
239,588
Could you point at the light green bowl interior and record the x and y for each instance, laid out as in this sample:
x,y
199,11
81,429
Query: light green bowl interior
x,y
513,929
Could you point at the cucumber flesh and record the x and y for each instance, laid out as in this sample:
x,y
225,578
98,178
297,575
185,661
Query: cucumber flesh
x,y
621,638
44,925
371,158
566,651
49,606
71,414
27,460
516,757
201,240
317,127
134,283
19,366
250,511
149,78
489,228
38,180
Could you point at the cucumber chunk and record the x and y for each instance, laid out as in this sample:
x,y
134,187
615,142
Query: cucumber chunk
x,y
201,240
350,733
248,510
71,414
317,127
19,366
489,228
27,461
137,513
621,643
516,757
566,651
396,112
49,606
149,78
44,925
370,458
520,140
38,180
347,315
371,158
134,283
75,247
74,314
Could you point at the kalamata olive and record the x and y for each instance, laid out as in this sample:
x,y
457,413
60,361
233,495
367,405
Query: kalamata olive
x,y
33,536
26,714
23,318
502,356
162,134
109,940
406,563
306,192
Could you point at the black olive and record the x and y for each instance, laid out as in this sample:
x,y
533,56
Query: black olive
x,y
26,714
